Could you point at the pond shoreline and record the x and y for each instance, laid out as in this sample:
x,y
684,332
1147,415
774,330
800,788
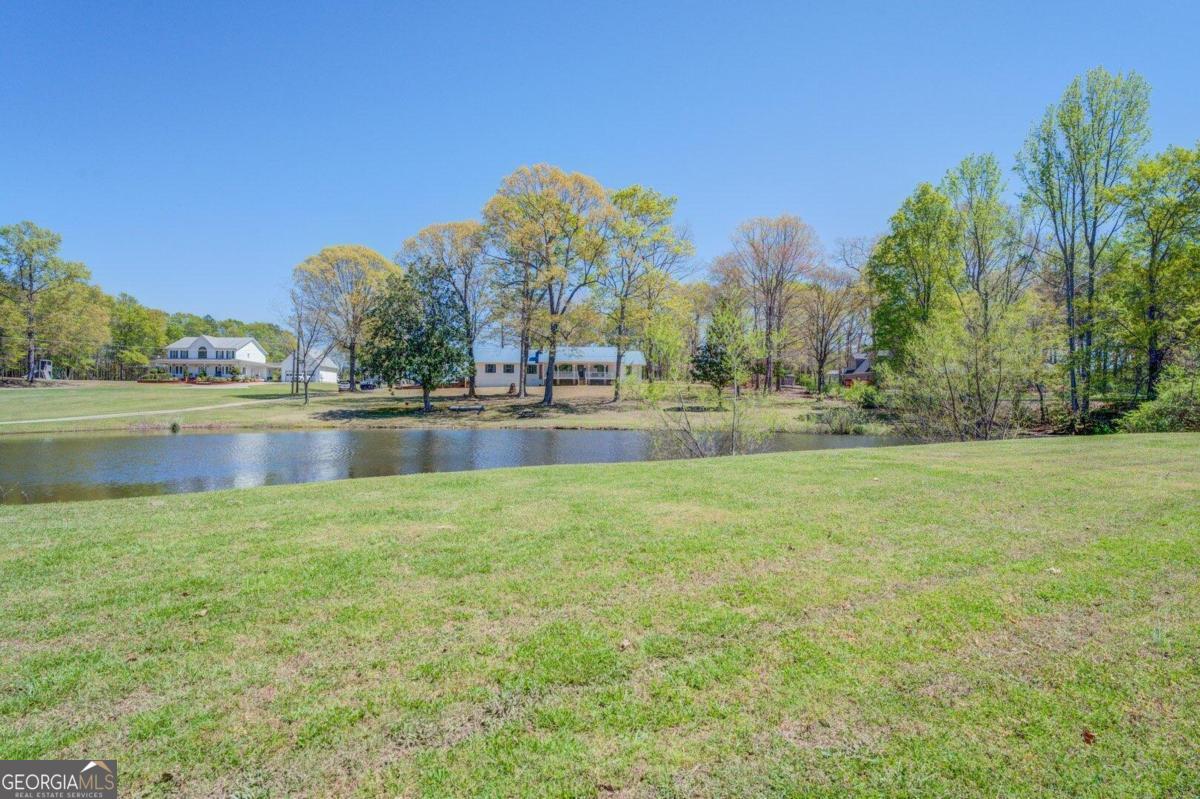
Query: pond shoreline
x,y
445,423
67,467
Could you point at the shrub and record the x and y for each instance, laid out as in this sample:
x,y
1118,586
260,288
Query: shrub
x,y
844,420
157,377
1176,409
862,394
805,380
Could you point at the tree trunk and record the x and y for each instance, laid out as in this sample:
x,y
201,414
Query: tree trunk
x,y
353,364
427,406
617,376
523,377
1155,357
769,372
471,379
552,349
1154,354
30,342
1072,366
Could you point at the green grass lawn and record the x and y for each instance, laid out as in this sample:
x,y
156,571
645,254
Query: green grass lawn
x,y
101,397
1004,619
577,407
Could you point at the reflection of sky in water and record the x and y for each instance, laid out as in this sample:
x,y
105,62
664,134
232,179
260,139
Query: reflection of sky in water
x,y
48,468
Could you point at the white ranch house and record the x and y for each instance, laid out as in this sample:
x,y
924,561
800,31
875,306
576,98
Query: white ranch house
x,y
496,367
216,356
326,371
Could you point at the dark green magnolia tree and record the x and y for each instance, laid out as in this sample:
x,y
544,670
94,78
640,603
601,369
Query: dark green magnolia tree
x,y
725,357
415,332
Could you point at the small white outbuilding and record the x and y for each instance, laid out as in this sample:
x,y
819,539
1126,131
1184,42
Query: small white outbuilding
x,y
312,370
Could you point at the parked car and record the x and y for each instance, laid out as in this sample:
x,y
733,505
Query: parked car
x,y
367,385
343,385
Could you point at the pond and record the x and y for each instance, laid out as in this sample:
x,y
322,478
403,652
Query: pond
x,y
61,468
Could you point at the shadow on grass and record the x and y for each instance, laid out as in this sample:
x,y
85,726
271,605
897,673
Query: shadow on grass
x,y
382,408
697,409
494,409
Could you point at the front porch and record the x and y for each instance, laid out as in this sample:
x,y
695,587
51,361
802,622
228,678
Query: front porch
x,y
585,374
194,367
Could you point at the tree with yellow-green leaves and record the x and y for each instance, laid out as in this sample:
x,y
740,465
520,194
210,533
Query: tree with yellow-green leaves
x,y
552,228
910,271
1154,289
138,332
30,271
646,248
344,280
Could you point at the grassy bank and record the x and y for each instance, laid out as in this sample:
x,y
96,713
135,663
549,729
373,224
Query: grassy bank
x,y
266,406
1004,619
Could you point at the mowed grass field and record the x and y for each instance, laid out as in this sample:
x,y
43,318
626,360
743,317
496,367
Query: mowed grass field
x,y
266,406
99,397
1002,619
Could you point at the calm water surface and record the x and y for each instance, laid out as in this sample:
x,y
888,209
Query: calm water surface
x,y
58,468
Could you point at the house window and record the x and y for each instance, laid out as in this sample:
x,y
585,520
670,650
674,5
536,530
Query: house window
x,y
202,353
531,369
600,368
490,368
509,368
628,370
564,368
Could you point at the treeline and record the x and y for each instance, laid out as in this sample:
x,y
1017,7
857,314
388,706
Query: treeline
x,y
554,259
1063,298
557,259
50,310
1081,297
1063,301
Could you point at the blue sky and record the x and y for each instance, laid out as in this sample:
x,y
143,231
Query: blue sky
x,y
192,153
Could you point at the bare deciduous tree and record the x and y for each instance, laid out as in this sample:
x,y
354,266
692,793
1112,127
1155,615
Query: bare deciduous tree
x,y
311,323
770,256
825,306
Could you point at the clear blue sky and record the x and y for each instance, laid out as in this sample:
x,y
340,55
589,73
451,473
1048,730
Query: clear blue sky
x,y
192,153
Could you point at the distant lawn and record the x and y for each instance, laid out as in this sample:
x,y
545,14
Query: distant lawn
x,y
577,407
1004,619
100,397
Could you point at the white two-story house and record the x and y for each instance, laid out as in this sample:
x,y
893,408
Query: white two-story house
x,y
216,356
